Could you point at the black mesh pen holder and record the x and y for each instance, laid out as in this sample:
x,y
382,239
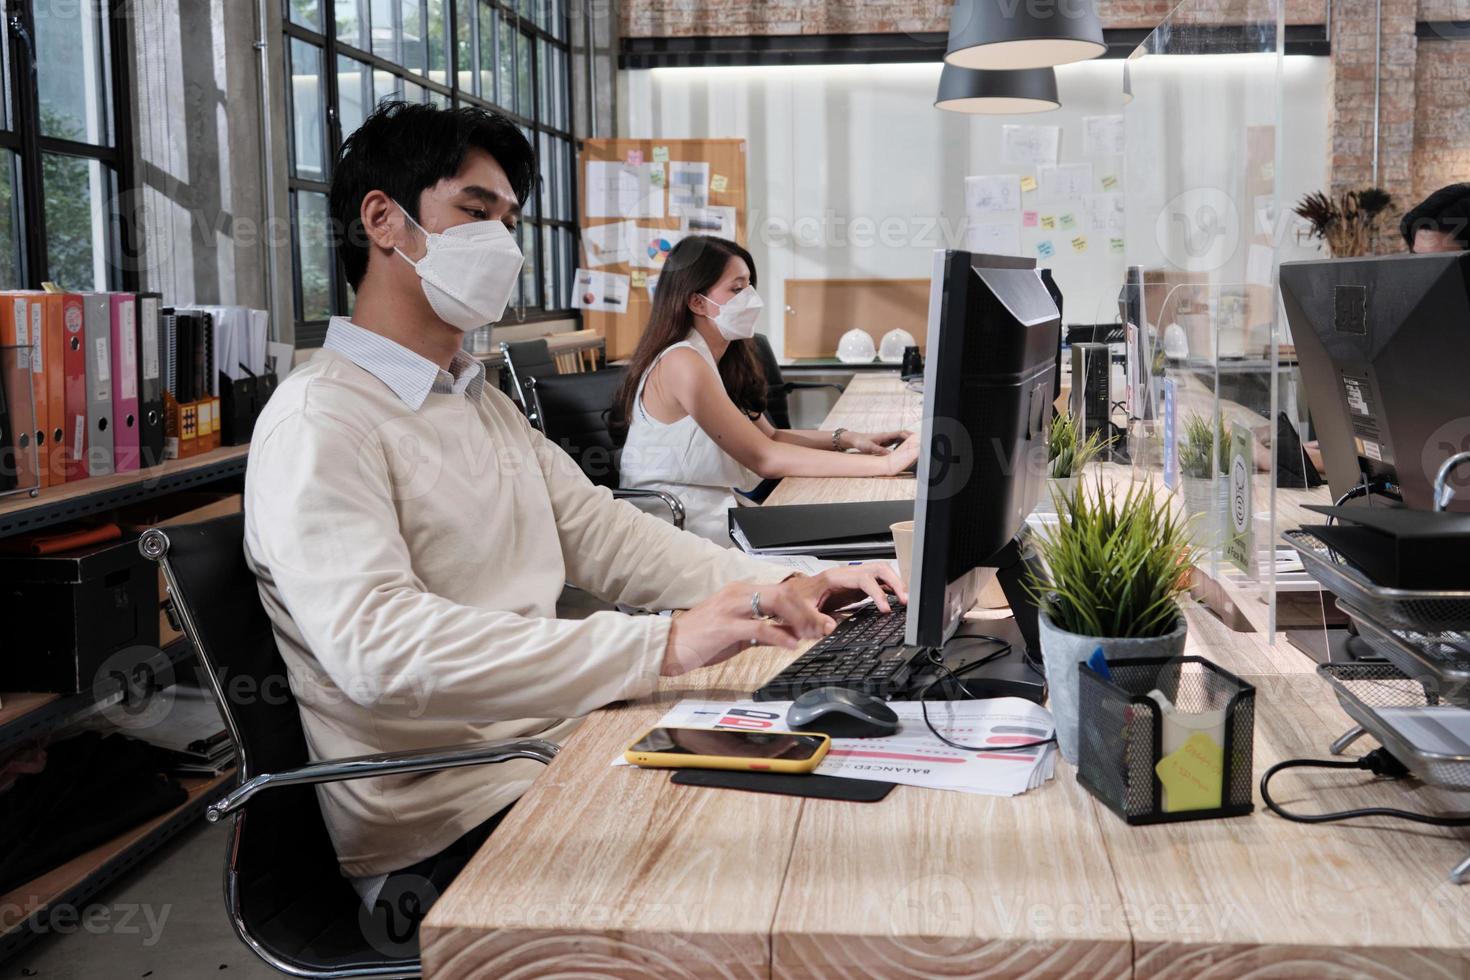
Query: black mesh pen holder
x,y
1121,739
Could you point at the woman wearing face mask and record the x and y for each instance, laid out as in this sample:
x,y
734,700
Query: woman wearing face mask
x,y
693,399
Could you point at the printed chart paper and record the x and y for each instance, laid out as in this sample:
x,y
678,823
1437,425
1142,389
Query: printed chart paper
x,y
652,246
624,190
603,291
719,222
609,244
688,186
912,757
1104,213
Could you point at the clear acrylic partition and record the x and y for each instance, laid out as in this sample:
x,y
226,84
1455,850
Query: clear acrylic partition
x,y
1203,149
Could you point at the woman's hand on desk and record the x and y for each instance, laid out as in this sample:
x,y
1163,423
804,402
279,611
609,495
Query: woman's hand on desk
x,y
905,456
872,443
795,610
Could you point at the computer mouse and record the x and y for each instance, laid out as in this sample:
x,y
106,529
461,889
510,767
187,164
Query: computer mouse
x,y
841,713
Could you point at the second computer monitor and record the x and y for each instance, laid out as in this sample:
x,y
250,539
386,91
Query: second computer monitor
x,y
988,391
1384,345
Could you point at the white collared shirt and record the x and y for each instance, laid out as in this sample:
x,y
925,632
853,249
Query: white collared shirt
x,y
412,377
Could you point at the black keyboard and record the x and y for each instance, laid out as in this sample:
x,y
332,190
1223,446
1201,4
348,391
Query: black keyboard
x,y
865,653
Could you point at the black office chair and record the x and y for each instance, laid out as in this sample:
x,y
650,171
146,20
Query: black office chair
x,y
527,359
778,389
572,411
283,891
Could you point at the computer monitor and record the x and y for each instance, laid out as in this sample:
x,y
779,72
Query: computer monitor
x,y
988,383
1384,347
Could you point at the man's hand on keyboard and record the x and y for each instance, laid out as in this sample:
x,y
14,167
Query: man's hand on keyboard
x,y
838,587
796,609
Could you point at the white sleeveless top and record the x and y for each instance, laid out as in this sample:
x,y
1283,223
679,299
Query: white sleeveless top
x,y
679,458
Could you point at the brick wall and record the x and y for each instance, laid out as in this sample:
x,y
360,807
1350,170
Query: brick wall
x,y
727,18
1441,115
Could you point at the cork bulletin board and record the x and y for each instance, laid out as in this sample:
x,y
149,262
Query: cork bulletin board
x,y
725,159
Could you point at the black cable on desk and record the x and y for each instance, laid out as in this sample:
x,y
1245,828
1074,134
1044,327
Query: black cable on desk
x,y
938,662
1380,763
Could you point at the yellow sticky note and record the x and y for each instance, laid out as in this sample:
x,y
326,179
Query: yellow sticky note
x,y
719,183
1028,184
638,277
1079,244
1192,775
1109,182
1048,221
660,154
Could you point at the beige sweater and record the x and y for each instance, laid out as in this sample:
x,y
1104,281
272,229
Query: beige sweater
x,y
411,563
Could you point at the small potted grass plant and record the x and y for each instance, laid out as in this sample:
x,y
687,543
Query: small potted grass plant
x,y
1203,444
1115,566
1068,455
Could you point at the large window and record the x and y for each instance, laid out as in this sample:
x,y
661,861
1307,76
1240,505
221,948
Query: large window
x,y
62,156
343,57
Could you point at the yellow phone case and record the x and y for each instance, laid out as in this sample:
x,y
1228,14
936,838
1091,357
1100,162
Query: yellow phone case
x,y
671,760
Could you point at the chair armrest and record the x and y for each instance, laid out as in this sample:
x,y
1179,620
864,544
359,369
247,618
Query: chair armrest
x,y
673,503
386,764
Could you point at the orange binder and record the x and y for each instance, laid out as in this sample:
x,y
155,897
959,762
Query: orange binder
x,y
15,331
46,325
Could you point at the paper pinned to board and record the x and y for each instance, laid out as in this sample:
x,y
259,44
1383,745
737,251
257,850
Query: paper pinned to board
x,y
600,291
1102,136
609,244
719,222
990,193
624,190
688,186
913,756
652,246
1030,145
993,238
1104,213
1064,181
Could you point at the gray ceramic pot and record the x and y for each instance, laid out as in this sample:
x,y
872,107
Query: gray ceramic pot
x,y
1061,652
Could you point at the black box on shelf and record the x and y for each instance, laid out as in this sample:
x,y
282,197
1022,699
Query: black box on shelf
x,y
1128,739
67,618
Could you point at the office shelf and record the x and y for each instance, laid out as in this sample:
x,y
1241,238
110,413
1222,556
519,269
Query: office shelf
x,y
80,498
24,911
28,716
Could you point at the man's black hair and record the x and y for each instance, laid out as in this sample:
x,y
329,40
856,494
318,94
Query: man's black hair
x,y
1446,210
403,149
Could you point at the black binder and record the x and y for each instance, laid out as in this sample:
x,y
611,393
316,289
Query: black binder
x,y
151,361
856,530
1400,548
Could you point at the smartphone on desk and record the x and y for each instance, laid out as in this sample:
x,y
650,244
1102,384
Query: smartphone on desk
x,y
701,748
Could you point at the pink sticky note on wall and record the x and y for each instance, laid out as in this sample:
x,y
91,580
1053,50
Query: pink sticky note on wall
x,y
1028,219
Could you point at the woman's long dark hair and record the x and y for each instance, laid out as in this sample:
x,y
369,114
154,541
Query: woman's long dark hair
x,y
695,265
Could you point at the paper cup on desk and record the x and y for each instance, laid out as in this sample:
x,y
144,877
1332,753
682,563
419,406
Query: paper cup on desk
x,y
903,549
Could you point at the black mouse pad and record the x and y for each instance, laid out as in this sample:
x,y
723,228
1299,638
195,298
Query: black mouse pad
x,y
815,787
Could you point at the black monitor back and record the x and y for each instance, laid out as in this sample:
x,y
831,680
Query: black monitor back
x,y
988,391
1384,346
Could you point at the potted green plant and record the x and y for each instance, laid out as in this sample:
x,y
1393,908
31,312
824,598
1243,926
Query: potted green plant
x,y
1202,444
1068,454
1114,566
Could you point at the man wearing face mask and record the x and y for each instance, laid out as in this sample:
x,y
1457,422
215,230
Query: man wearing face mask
x,y
695,392
411,534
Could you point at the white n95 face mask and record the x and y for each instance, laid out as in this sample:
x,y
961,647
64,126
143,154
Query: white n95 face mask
x,y
737,318
468,271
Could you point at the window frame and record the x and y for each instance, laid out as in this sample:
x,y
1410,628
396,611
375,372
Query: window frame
x,y
538,220
25,140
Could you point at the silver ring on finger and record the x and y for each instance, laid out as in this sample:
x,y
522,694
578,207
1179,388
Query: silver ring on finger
x,y
754,642
755,607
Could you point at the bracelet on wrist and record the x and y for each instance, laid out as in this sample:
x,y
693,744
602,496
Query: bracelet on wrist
x,y
837,439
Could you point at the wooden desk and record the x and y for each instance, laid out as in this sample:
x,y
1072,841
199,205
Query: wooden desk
x,y
615,872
